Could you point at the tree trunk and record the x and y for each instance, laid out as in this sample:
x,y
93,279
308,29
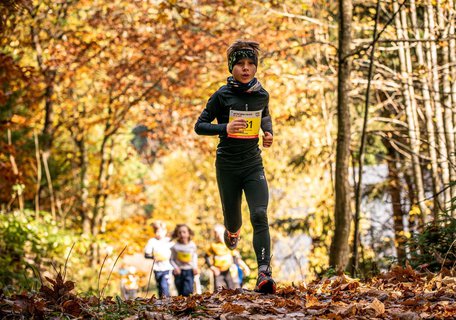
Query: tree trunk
x,y
47,133
339,250
19,191
83,185
452,56
447,107
359,183
394,189
452,50
410,108
98,196
425,80
432,65
38,174
412,220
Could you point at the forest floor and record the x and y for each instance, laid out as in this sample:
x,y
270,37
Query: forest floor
x,y
402,293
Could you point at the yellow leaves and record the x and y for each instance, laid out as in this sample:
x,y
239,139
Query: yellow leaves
x,y
17,119
415,210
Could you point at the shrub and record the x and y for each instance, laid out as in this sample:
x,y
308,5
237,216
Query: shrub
x,y
27,245
435,247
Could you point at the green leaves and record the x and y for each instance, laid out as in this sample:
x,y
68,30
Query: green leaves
x,y
27,244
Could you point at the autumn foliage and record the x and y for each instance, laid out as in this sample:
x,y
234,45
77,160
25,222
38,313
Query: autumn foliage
x,y
401,293
97,105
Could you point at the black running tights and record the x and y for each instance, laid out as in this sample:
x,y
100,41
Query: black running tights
x,y
253,182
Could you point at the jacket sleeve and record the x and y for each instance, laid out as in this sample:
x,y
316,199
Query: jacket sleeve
x,y
266,121
203,125
195,257
172,260
149,249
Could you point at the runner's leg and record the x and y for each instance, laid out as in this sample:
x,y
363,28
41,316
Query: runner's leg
x,y
230,190
257,195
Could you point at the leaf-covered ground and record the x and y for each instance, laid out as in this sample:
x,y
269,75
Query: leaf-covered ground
x,y
401,293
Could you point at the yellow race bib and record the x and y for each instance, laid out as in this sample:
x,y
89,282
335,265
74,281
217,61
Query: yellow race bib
x,y
253,119
223,262
185,257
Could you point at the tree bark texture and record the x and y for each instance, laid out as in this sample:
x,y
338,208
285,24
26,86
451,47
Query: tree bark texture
x,y
83,185
339,250
429,114
359,183
410,108
446,97
433,66
395,190
452,57
38,173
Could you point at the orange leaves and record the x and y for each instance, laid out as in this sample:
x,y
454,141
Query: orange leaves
x,y
232,307
333,298
344,283
375,308
402,274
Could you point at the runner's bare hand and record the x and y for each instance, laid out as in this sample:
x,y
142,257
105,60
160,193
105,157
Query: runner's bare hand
x,y
236,126
267,139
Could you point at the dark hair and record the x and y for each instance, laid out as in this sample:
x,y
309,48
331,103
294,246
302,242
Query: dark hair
x,y
243,44
241,49
176,229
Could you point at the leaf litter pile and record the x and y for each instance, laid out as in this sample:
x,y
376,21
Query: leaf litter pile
x,y
402,293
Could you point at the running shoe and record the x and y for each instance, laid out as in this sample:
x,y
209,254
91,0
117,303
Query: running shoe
x,y
265,283
231,239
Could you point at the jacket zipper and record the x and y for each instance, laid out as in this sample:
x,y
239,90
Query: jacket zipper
x,y
246,107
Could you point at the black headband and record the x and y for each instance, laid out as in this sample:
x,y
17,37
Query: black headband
x,y
237,55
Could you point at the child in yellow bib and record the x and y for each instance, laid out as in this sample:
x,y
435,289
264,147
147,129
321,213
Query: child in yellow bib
x,y
220,259
184,260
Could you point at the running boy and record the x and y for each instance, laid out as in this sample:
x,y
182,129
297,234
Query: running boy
x,y
159,249
241,108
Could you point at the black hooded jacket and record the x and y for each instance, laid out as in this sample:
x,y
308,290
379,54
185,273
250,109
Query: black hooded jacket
x,y
234,153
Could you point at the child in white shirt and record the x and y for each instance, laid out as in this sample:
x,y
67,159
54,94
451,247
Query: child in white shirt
x,y
159,249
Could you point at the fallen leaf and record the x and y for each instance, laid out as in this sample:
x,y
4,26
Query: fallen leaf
x,y
232,307
375,308
350,311
406,316
311,301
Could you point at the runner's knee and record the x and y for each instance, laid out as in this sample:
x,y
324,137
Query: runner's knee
x,y
259,218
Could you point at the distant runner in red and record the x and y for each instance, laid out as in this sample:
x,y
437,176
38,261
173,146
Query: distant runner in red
x,y
241,108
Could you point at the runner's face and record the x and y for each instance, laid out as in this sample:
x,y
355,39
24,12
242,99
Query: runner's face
x,y
244,70
183,234
160,233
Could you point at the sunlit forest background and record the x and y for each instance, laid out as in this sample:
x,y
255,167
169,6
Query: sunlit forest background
x,y
98,100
